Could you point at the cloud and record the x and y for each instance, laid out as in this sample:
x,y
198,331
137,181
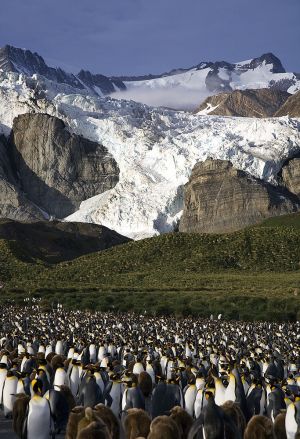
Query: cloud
x,y
178,98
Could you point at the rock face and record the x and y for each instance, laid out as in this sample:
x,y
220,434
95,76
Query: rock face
x,y
59,241
291,107
290,175
13,203
245,103
220,198
98,82
58,170
13,59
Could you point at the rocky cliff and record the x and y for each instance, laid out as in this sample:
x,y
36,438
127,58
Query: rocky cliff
x,y
245,103
290,175
57,170
13,203
220,198
291,107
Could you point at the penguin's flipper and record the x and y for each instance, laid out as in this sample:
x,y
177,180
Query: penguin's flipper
x,y
196,430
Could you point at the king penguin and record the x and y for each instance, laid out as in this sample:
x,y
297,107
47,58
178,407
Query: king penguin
x,y
38,422
292,420
9,391
3,373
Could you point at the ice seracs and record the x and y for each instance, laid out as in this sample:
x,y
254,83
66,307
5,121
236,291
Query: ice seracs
x,y
155,148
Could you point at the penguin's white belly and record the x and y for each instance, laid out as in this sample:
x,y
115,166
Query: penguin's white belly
x,y
138,368
115,394
20,387
220,395
150,371
74,380
170,369
48,350
290,422
124,399
92,351
60,378
3,373
230,393
38,423
101,353
59,348
198,403
189,398
10,388
262,403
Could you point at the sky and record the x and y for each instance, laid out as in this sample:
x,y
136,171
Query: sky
x,y
120,37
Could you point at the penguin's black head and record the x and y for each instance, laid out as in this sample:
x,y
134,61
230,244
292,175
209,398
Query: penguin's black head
x,y
37,386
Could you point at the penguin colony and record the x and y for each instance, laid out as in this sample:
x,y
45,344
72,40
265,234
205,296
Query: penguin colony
x,y
91,375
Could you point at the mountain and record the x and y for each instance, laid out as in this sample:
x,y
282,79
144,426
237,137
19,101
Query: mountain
x,y
178,89
291,107
155,149
187,88
219,198
23,61
264,102
54,241
56,165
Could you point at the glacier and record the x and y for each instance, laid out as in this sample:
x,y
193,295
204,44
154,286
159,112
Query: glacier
x,y
155,148
186,90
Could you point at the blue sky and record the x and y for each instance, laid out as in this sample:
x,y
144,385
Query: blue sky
x,y
151,36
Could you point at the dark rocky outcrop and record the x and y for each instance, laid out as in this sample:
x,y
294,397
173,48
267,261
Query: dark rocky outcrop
x,y
220,198
290,175
245,103
13,59
13,203
59,241
266,58
291,107
57,170
96,81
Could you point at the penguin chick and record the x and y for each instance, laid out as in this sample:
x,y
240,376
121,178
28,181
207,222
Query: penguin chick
x,y
259,427
163,427
234,412
279,426
95,430
76,414
90,416
108,417
145,383
136,423
19,412
183,420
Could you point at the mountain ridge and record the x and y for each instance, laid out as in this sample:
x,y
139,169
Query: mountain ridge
x,y
204,79
29,63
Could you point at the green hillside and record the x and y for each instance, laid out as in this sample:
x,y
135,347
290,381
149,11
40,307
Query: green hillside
x,y
251,274
291,220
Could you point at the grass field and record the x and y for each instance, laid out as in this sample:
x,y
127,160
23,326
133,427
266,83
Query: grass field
x,y
251,274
